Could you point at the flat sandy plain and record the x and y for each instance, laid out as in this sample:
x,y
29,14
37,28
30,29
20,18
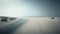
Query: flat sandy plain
x,y
37,25
40,25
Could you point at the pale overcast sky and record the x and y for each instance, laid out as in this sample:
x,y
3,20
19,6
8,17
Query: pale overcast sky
x,y
29,8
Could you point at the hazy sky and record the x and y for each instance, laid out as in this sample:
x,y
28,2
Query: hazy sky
x,y
29,8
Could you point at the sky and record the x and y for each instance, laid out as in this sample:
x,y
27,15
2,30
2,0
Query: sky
x,y
30,8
